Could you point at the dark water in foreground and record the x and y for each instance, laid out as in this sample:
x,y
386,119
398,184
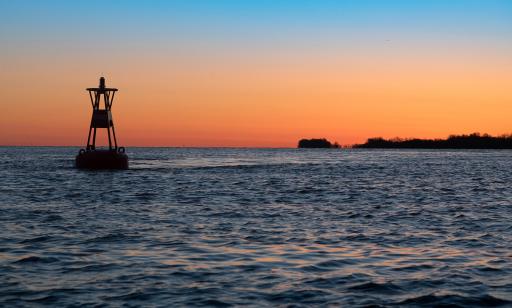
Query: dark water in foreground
x,y
257,227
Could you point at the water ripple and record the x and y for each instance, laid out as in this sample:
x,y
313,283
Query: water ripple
x,y
243,227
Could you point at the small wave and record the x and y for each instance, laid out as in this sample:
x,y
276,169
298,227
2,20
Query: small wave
x,y
327,266
381,288
53,217
328,282
35,259
109,238
488,270
413,268
353,279
48,299
133,296
92,268
298,296
456,300
213,303
36,239
357,237
336,263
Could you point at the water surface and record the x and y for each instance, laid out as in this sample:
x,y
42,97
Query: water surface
x,y
257,227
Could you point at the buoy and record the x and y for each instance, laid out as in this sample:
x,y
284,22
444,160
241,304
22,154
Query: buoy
x,y
114,157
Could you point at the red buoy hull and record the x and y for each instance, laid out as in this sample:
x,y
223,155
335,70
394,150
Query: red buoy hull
x,y
101,159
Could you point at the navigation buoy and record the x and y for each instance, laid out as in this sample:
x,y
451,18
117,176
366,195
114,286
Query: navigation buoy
x,y
90,157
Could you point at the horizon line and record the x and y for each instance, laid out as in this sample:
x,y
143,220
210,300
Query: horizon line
x,y
343,146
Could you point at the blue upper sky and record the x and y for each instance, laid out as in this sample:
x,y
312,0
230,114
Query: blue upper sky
x,y
152,20
111,28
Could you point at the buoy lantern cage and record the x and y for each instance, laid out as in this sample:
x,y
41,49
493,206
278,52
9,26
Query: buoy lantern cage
x,y
90,157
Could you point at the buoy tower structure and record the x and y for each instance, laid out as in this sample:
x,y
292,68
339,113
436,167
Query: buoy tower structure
x,y
114,157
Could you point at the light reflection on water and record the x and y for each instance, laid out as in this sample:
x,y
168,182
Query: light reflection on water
x,y
257,227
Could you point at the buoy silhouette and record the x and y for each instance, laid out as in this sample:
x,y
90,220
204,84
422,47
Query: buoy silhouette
x,y
90,157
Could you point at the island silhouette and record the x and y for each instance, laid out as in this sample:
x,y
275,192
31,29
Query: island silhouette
x,y
471,141
318,143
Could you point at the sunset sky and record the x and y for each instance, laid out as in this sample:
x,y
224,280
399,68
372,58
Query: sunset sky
x,y
255,73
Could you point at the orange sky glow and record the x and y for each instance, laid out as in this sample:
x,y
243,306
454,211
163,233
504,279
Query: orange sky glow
x,y
265,94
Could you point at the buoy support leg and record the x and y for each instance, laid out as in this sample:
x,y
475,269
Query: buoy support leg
x,y
114,134
109,141
94,139
89,138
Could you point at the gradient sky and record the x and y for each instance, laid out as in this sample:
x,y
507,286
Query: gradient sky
x,y
255,73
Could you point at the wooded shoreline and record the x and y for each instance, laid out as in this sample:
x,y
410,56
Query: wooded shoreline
x,y
471,141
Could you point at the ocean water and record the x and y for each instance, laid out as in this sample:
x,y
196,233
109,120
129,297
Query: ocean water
x,y
257,227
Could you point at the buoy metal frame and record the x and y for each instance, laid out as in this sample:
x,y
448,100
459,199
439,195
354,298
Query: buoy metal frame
x,y
101,118
90,157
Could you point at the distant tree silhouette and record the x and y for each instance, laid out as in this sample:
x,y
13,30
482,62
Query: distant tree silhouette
x,y
317,143
472,141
